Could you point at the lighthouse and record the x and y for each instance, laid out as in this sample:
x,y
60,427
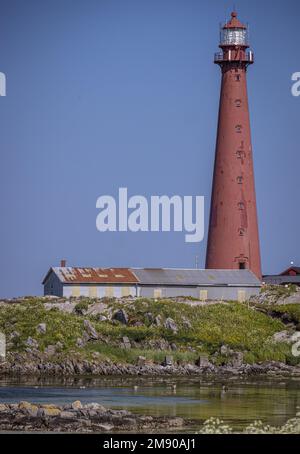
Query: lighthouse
x,y
233,240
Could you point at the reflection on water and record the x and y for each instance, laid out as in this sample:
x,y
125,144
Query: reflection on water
x,y
238,403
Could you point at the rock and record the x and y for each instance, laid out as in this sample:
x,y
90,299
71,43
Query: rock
x,y
28,408
66,306
90,330
126,343
236,359
14,335
173,346
79,342
3,407
59,346
30,342
225,350
158,344
121,316
96,308
176,422
49,410
102,318
149,317
203,361
106,427
283,336
41,328
168,361
67,415
171,325
141,361
292,299
95,406
76,405
158,320
186,323
50,350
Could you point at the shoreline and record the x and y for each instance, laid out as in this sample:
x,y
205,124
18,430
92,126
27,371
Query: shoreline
x,y
78,418
18,364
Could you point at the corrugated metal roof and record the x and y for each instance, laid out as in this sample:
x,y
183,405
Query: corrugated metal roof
x,y
278,279
164,276
72,275
291,268
154,276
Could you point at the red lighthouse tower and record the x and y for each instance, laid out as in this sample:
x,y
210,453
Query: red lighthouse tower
x,y
233,241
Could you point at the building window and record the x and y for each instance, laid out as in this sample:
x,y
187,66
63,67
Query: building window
x,y
241,231
203,295
109,292
240,154
157,293
125,291
93,292
241,296
76,291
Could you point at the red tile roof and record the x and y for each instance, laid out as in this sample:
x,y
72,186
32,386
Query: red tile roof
x,y
74,275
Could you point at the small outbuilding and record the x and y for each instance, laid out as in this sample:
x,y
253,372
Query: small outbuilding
x,y
288,276
151,282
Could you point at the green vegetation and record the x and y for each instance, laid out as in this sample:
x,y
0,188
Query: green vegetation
x,y
82,307
290,311
200,329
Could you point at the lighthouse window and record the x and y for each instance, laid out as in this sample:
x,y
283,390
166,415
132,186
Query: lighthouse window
x,y
242,265
237,77
234,36
239,180
241,232
238,103
241,205
238,129
240,154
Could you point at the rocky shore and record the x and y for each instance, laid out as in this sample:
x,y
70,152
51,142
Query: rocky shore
x,y
75,417
51,336
40,364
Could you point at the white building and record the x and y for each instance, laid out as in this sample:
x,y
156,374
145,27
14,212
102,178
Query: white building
x,y
151,283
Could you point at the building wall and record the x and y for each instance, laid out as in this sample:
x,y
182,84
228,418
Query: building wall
x,y
99,291
53,286
203,293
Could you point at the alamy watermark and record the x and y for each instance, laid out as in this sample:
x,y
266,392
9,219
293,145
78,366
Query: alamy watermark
x,y
160,213
2,84
296,85
2,346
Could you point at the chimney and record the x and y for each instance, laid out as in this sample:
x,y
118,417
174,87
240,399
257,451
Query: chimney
x,y
63,263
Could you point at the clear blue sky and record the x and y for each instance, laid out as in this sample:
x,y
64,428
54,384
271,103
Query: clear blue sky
x,y
109,93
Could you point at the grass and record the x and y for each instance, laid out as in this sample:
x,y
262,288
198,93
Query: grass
x,y
121,355
233,324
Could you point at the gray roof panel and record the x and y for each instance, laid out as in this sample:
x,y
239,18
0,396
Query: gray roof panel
x,y
278,279
165,276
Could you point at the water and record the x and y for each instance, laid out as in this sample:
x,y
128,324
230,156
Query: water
x,y
273,401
